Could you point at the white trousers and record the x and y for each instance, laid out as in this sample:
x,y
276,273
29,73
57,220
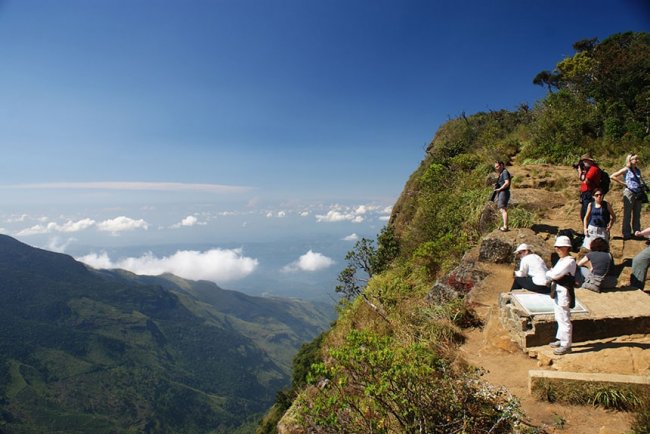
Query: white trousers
x,y
563,317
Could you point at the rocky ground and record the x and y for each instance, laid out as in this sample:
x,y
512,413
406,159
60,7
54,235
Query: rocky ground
x,y
551,192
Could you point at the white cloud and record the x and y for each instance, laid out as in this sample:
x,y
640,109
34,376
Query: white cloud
x,y
304,214
351,237
361,209
68,227
77,226
99,261
17,218
384,218
310,261
34,230
54,244
188,221
333,216
279,214
216,265
121,224
354,214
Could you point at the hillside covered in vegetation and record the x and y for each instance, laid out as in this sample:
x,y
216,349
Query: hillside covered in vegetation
x,y
86,351
390,363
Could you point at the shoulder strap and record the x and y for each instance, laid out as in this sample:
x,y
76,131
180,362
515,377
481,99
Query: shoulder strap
x,y
638,177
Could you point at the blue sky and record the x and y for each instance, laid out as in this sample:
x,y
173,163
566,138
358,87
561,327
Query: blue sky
x,y
141,122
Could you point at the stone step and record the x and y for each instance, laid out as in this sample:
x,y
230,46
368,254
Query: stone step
x,y
540,380
608,314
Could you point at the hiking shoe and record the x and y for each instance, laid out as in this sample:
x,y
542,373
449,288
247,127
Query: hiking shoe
x,y
561,350
555,344
503,229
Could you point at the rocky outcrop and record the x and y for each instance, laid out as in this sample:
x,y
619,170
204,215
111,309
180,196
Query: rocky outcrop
x,y
498,247
457,283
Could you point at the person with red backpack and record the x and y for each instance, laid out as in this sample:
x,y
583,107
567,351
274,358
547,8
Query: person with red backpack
x,y
589,174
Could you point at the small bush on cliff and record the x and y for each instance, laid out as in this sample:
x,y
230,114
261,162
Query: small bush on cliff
x,y
375,384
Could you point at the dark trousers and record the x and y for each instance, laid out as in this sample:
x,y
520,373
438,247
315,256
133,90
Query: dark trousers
x,y
527,283
585,199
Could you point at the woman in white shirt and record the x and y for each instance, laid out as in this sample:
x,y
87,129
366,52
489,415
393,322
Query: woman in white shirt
x,y
532,271
562,291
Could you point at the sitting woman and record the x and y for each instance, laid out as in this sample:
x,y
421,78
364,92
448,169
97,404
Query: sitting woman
x,y
598,220
594,267
532,271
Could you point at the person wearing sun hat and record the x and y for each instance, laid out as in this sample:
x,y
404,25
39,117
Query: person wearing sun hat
x,y
589,174
531,274
562,276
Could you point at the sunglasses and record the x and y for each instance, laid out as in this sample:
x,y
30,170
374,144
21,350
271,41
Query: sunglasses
x,y
597,194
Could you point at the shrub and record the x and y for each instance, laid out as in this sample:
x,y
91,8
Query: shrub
x,y
376,384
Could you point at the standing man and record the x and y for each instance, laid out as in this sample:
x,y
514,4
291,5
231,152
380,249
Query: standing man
x,y
589,174
502,191
640,262
563,293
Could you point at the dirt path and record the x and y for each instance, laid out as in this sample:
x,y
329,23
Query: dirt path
x,y
551,193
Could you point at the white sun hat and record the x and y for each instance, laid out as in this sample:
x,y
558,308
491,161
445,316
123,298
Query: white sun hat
x,y
562,241
522,247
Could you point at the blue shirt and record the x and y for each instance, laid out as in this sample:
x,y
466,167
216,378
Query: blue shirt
x,y
633,183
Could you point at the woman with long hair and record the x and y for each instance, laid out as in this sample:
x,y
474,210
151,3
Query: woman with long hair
x,y
634,186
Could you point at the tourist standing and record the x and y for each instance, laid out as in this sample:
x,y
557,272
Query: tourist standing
x,y
599,219
634,186
589,175
502,190
562,276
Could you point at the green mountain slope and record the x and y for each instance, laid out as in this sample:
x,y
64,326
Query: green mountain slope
x,y
89,351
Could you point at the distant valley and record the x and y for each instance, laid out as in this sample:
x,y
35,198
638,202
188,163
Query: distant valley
x,y
85,350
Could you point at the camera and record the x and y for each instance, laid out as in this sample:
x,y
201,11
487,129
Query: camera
x,y
580,164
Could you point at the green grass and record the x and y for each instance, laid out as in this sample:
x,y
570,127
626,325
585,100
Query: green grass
x,y
623,397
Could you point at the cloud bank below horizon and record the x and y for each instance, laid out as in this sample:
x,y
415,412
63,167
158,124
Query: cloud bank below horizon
x,y
216,265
